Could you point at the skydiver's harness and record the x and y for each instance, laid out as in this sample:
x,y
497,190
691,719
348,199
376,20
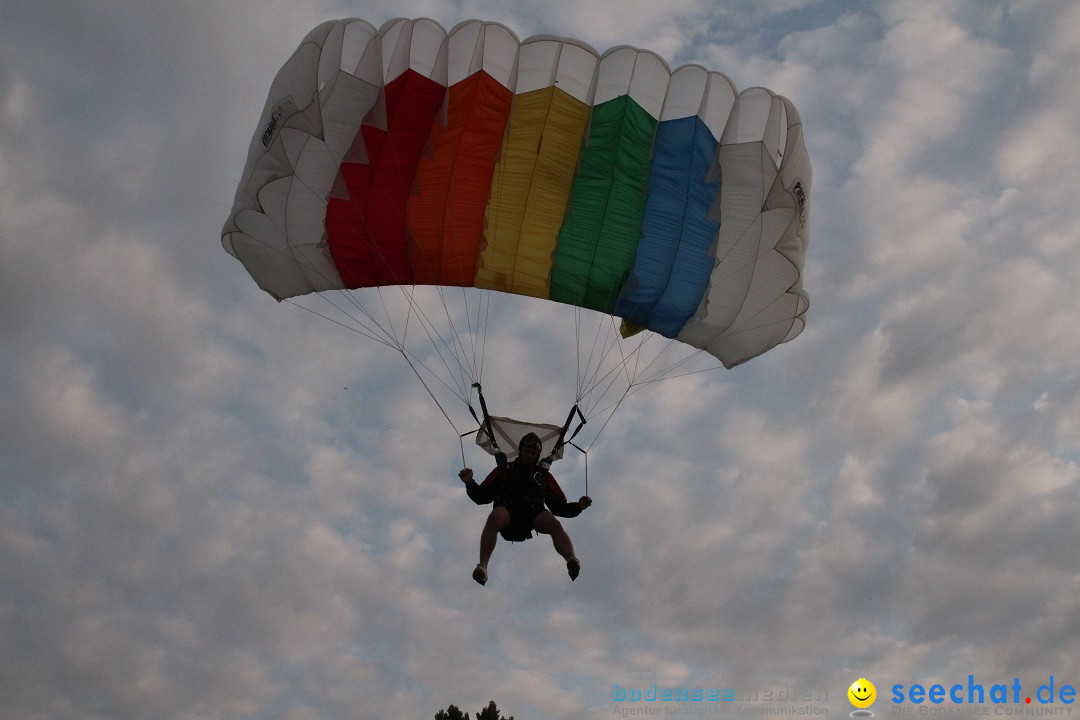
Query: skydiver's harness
x,y
523,498
520,491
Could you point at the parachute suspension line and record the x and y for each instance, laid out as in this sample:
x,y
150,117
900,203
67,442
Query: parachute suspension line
x,y
599,392
610,415
468,375
391,338
400,337
592,385
472,357
638,375
602,384
668,372
665,371
577,337
410,357
467,358
610,410
485,307
586,454
431,394
464,359
634,367
632,378
590,379
441,345
632,371
584,375
609,378
352,328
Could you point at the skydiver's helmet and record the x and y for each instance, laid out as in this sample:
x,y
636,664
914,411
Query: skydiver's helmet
x,y
532,440
529,442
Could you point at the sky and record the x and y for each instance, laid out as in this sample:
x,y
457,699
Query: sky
x,y
216,506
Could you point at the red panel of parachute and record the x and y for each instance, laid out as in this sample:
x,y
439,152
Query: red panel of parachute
x,y
366,232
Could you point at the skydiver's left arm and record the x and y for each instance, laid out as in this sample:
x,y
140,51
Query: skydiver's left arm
x,y
557,503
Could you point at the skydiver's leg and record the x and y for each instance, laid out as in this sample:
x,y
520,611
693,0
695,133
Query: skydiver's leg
x,y
496,521
548,524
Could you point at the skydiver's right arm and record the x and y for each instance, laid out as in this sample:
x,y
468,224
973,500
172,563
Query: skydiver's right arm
x,y
482,493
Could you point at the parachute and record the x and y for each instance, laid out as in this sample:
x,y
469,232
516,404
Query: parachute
x,y
470,164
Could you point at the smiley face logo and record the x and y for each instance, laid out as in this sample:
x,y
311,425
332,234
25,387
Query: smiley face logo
x,y
862,693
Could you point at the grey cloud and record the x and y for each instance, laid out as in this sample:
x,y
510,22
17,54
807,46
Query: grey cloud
x,y
212,505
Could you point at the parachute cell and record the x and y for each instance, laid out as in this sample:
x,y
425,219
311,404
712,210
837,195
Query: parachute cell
x,y
600,232
534,176
445,215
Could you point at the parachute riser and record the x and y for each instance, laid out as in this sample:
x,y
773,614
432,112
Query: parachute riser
x,y
556,451
500,456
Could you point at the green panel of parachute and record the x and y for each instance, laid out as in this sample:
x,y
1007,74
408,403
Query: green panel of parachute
x,y
600,232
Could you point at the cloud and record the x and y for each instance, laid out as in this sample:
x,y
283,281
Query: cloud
x,y
211,504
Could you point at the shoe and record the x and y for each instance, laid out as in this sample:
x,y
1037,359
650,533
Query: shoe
x,y
573,566
479,574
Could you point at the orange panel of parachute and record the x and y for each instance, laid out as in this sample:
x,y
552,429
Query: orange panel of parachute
x,y
445,215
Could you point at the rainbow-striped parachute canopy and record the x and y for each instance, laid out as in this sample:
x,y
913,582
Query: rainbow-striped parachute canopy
x,y
409,155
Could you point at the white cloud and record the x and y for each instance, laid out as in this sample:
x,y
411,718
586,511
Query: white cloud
x,y
211,505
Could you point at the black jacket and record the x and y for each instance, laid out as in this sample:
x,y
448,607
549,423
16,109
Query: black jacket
x,y
522,486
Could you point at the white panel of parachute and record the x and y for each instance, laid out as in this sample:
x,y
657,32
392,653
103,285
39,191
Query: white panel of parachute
x,y
755,298
313,112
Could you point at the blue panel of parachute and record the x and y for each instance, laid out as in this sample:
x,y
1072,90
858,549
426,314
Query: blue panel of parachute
x,y
672,266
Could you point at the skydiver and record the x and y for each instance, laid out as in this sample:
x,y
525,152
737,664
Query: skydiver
x,y
519,492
